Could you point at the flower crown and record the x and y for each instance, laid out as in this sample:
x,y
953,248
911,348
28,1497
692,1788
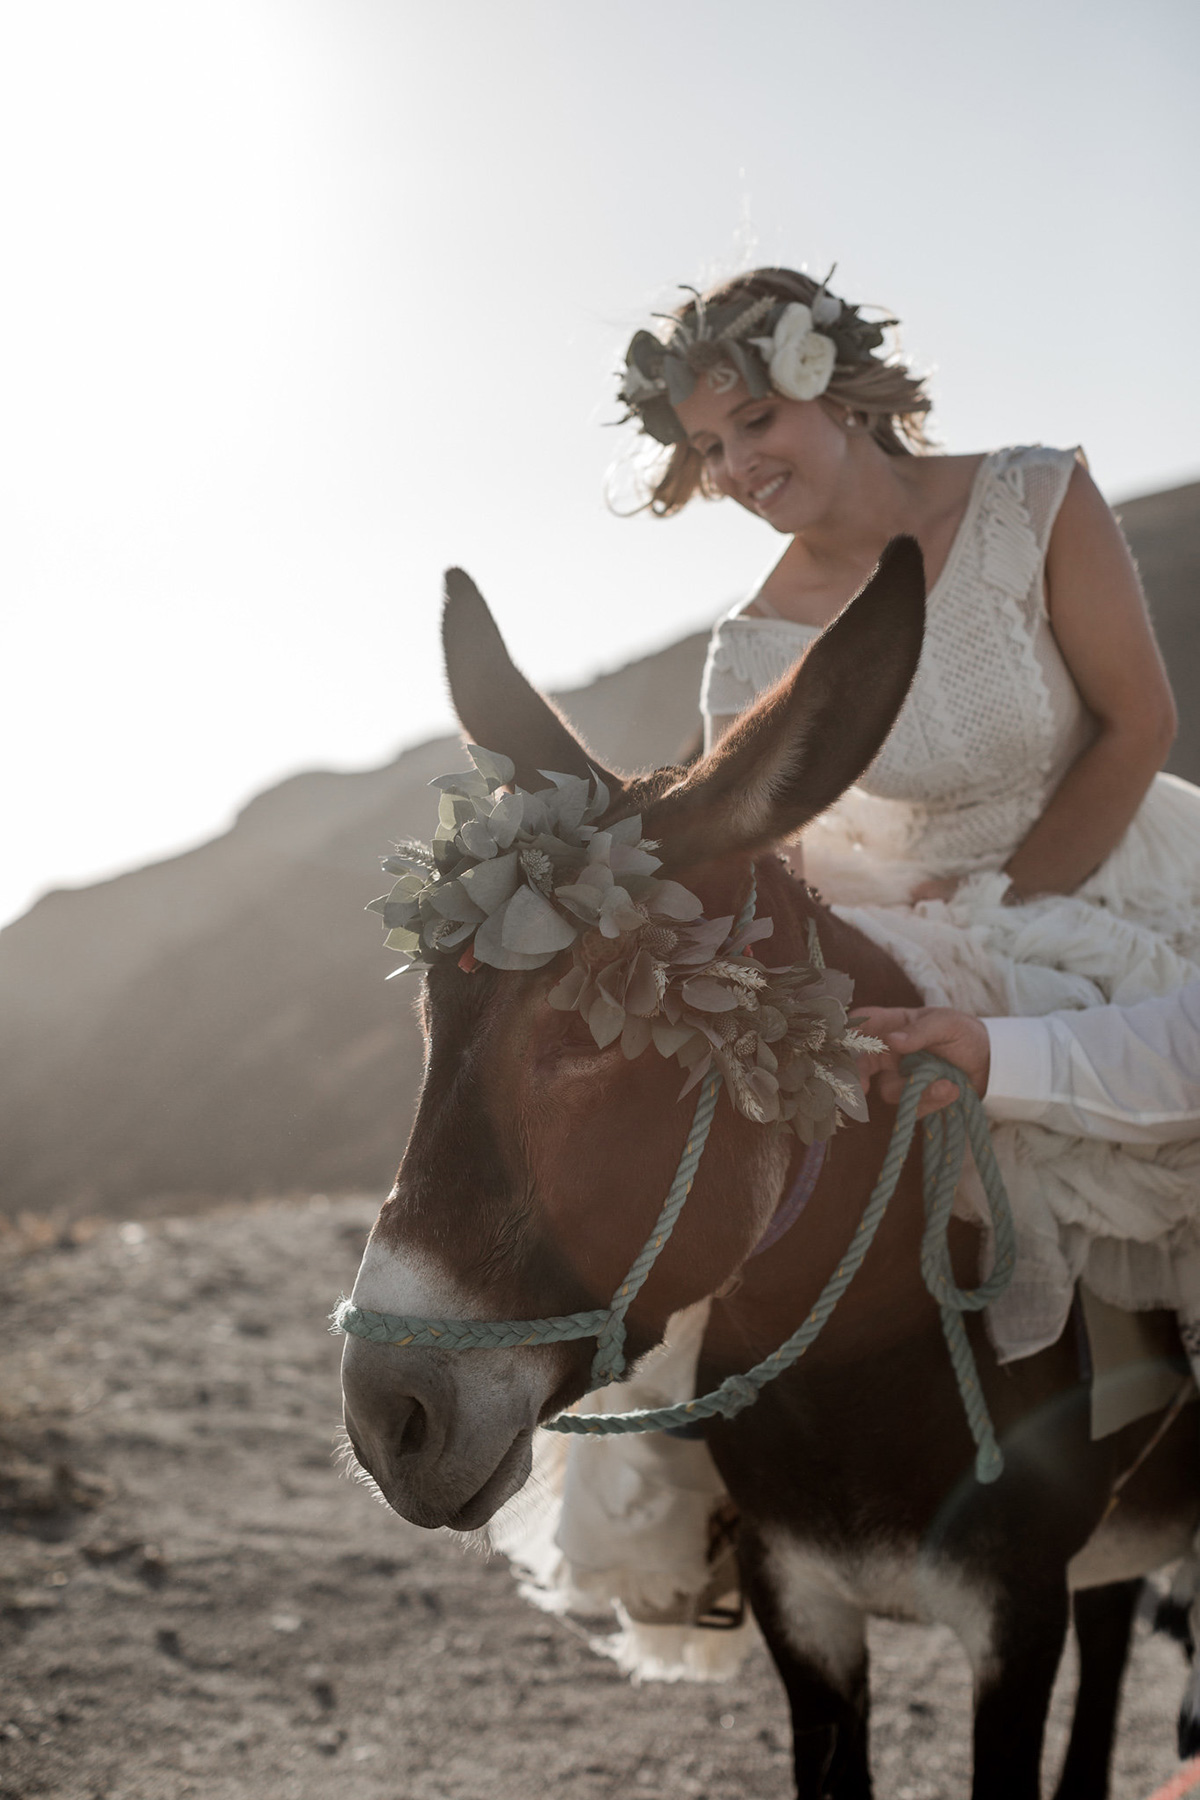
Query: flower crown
x,y
795,350
514,878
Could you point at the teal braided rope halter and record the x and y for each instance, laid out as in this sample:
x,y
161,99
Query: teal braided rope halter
x,y
606,1326
947,1134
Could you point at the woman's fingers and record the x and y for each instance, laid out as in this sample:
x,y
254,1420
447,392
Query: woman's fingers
x,y
939,1094
957,1037
881,1021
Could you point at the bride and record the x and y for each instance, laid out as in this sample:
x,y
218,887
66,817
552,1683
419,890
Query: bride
x,y
1012,846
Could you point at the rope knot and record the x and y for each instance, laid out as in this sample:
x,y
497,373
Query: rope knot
x,y
734,1395
608,1364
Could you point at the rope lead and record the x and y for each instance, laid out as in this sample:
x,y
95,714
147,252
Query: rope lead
x,y
947,1134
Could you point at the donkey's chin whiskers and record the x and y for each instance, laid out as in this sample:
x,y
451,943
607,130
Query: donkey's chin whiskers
x,y
347,1464
475,1543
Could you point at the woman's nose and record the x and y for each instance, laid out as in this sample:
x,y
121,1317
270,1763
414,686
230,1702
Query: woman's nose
x,y
740,462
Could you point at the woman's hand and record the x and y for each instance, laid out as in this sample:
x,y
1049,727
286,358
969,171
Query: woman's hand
x,y
957,1037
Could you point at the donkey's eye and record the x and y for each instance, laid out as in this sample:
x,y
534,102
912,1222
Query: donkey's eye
x,y
571,1039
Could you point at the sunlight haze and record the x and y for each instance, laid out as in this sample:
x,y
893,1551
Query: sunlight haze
x,y
306,299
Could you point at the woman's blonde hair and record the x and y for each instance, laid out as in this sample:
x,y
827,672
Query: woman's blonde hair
x,y
885,399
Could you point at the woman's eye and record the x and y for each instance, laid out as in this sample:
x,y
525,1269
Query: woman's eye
x,y
760,421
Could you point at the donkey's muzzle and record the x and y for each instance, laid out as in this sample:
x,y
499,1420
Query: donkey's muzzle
x,y
445,1442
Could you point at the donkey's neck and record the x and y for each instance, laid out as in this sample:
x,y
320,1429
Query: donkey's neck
x,y
887,1301
794,906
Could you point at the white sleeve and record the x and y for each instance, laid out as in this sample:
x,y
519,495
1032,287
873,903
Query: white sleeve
x,y
1127,1073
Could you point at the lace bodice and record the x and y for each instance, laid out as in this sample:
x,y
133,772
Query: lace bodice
x,y
993,719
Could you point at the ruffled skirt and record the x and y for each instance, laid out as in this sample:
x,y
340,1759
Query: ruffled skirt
x,y
1125,1218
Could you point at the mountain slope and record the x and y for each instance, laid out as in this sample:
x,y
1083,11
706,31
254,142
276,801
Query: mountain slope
x,y
219,1023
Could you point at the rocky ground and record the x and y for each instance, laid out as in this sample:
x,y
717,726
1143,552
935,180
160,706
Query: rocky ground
x,y
195,1602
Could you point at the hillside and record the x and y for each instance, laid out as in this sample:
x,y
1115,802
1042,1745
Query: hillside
x,y
1164,535
219,1024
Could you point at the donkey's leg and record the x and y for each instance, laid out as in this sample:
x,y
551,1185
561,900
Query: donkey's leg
x,y
1013,1688
819,1649
1103,1622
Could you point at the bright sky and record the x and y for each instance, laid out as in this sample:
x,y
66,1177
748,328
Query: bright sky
x,y
305,299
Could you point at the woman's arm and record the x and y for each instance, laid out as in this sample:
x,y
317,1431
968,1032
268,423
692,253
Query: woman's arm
x,y
1103,630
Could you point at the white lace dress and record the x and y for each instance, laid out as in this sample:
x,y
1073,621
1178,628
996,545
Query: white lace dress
x,y
991,725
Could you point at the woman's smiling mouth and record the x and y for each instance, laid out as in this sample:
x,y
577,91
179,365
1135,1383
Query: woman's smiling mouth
x,y
761,496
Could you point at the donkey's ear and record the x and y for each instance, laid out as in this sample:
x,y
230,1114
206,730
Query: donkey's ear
x,y
497,707
812,734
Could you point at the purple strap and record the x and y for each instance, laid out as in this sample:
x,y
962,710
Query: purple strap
x,y
795,1200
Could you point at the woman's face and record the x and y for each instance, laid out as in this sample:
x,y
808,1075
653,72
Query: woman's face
x,y
786,461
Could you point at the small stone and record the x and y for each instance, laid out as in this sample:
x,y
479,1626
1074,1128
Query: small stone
x,y
31,1600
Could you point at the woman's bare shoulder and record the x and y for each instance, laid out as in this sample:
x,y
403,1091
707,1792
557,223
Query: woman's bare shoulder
x,y
944,482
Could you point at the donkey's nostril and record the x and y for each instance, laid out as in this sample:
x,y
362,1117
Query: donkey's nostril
x,y
412,1430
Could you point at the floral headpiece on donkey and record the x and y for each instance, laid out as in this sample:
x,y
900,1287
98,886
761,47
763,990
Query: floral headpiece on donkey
x,y
513,878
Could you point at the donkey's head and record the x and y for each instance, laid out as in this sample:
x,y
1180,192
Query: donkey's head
x,y
538,1161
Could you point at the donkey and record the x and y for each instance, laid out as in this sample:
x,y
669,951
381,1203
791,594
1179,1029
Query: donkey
x,y
537,1162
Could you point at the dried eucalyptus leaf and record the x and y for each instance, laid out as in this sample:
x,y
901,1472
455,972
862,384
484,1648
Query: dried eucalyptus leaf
x,y
533,927
476,839
641,989
698,1072
454,810
398,912
624,860
645,353
451,900
505,818
680,380
661,421
606,1020
676,902
669,1040
409,941
709,995
466,783
626,831
490,884
497,771
564,996
489,946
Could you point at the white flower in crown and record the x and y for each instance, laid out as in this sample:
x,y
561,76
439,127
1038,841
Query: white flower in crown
x,y
799,358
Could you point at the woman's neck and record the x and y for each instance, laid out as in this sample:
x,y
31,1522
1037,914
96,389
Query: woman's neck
x,y
879,497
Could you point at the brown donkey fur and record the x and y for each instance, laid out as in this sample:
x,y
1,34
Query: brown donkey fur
x,y
537,1162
